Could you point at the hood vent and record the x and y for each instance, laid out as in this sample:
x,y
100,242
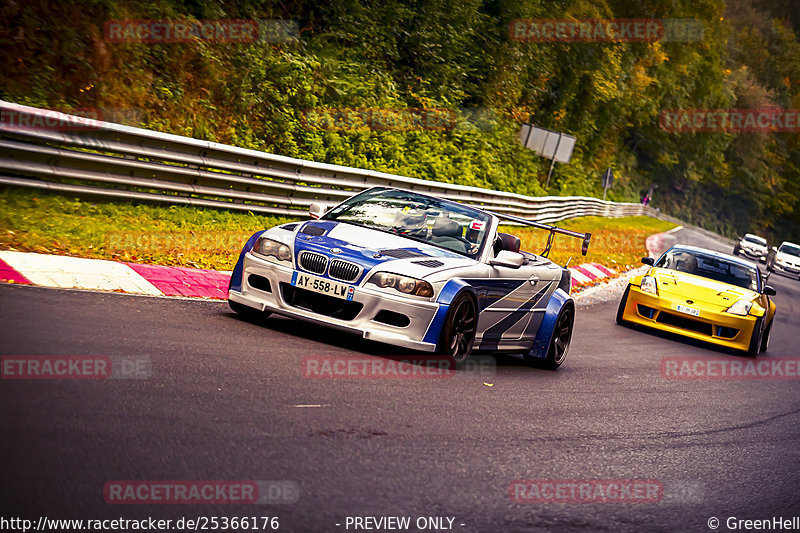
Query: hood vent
x,y
400,253
430,263
313,229
289,227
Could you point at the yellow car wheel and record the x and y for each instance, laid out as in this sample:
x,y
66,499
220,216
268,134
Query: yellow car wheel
x,y
765,338
622,304
755,338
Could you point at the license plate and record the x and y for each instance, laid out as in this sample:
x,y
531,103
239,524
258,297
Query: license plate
x,y
323,286
688,310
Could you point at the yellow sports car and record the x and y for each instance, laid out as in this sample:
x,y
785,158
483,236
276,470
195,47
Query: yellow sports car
x,y
704,295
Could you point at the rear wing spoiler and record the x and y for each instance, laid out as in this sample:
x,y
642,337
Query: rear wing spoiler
x,y
552,229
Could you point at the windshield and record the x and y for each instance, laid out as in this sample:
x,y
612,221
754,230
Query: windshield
x,y
441,223
790,249
755,240
709,266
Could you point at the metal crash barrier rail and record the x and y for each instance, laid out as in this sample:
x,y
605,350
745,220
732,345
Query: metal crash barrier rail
x,y
50,150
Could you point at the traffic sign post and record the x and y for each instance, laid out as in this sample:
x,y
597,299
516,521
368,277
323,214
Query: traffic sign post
x,y
553,145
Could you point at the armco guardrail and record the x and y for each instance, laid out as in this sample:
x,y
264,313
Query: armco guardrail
x,y
51,150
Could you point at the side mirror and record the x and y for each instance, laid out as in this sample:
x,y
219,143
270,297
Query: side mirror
x,y
508,259
769,291
648,261
316,210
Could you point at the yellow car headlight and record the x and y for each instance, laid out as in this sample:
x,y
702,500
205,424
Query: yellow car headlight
x,y
740,307
649,285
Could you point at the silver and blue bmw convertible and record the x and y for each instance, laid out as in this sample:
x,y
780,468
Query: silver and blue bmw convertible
x,y
414,271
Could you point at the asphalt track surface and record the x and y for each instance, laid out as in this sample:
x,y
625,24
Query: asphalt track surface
x,y
221,404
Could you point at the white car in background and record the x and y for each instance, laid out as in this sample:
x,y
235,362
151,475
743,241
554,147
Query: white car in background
x,y
752,246
786,260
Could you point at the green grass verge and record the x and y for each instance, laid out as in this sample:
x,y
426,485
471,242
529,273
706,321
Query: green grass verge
x,y
36,221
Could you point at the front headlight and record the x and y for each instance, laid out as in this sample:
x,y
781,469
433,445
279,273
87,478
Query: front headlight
x,y
649,285
402,284
740,307
270,248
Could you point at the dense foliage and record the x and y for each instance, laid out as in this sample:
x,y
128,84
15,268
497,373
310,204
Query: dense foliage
x,y
417,58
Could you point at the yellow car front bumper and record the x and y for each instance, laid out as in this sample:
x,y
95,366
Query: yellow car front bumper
x,y
711,325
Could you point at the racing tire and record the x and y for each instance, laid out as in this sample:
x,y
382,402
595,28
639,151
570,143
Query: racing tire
x,y
245,311
622,304
562,335
458,333
765,338
756,338
736,250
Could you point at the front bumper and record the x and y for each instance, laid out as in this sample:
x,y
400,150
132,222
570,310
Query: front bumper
x,y
754,254
781,268
660,312
367,304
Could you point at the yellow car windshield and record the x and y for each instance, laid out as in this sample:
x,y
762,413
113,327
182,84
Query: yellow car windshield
x,y
710,266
